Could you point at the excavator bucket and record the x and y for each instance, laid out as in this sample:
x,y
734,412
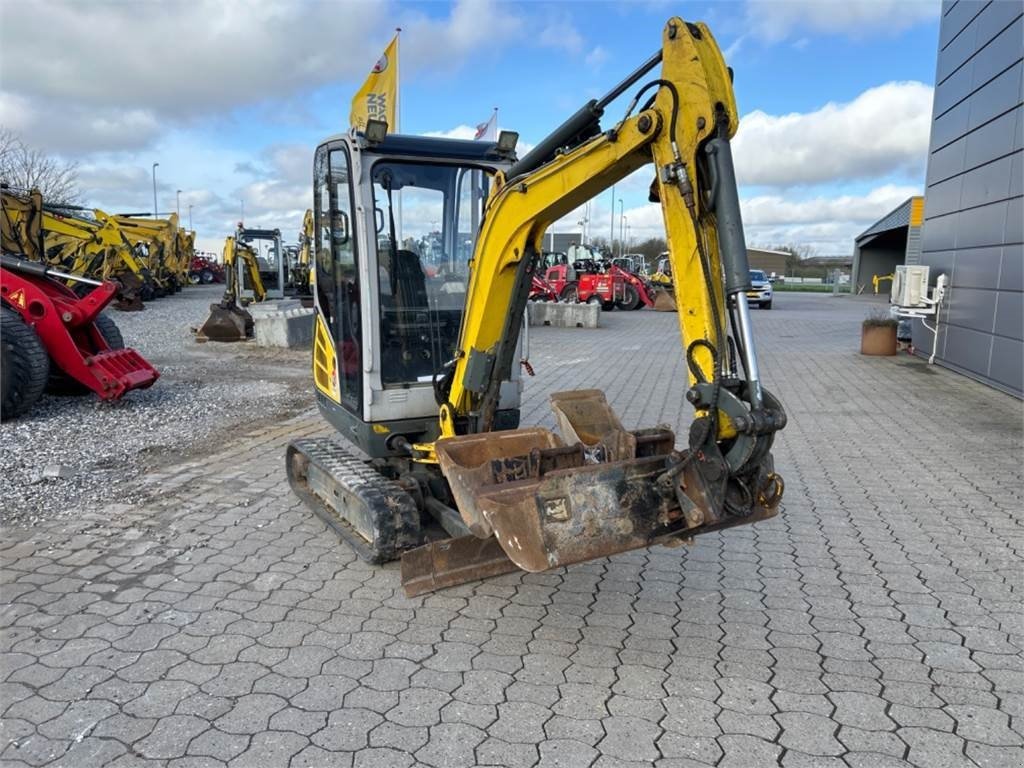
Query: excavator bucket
x,y
227,322
549,500
664,300
129,298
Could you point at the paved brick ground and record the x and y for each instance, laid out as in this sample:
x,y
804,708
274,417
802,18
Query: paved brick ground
x,y
877,622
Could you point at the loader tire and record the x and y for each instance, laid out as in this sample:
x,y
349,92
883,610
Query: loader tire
x,y
631,299
24,366
61,384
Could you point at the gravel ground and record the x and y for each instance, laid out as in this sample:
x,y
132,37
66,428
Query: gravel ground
x,y
74,452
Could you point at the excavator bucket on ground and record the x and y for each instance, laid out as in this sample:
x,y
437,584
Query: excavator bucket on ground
x,y
227,322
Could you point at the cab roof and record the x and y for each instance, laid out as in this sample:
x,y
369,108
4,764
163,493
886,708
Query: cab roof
x,y
433,147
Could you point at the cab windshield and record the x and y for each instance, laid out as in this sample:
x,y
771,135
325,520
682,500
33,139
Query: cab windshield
x,y
758,276
427,218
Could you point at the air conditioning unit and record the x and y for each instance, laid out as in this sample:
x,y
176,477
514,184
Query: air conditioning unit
x,y
910,286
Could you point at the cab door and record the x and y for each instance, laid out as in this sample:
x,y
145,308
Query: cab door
x,y
337,280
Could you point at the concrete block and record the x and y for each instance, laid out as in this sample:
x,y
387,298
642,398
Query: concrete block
x,y
561,315
289,329
264,308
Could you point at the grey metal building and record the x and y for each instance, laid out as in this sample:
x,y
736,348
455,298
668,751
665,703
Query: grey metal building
x,y
892,240
974,209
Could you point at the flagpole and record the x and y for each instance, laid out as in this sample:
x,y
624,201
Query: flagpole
x,y
398,80
398,122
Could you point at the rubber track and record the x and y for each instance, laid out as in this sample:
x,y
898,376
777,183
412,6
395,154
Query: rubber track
x,y
394,512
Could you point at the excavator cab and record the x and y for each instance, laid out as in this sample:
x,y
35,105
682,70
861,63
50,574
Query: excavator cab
x,y
265,248
395,224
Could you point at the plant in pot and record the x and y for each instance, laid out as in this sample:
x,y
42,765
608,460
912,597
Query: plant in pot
x,y
878,333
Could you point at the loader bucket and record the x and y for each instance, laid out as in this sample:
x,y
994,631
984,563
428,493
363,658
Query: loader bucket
x,y
227,322
664,300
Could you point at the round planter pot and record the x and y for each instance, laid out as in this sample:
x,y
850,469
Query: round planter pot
x,y
878,340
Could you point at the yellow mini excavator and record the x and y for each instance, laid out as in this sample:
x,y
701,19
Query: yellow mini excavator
x,y
228,320
417,348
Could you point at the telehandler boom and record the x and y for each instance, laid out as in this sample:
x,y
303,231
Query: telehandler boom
x,y
417,340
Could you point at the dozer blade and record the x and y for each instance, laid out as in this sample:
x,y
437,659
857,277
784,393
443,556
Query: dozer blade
x,y
373,514
452,561
227,322
664,300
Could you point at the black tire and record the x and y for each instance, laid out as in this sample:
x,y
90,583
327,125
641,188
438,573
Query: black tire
x,y
24,366
766,305
205,276
631,298
61,384
607,306
570,294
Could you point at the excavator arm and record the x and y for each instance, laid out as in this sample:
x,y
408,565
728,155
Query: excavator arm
x,y
605,489
235,251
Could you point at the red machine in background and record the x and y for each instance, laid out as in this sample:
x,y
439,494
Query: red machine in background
x,y
52,339
205,270
581,285
637,292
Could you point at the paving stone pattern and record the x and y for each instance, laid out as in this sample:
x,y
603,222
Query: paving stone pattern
x,y
877,622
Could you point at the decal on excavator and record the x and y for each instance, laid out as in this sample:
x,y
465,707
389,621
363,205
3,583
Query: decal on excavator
x,y
17,297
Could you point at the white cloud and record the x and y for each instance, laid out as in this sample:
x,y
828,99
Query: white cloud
x,y
123,75
561,34
774,210
884,130
777,20
596,58
827,223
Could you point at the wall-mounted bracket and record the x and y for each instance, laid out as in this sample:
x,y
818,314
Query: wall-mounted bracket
x,y
928,307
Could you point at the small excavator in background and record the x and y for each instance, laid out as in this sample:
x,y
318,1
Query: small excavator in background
x,y
418,369
229,320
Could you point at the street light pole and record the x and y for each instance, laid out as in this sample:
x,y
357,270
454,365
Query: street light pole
x,y
190,217
622,218
179,203
611,228
154,189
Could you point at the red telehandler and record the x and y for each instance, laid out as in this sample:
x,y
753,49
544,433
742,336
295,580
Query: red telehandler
x,y
52,339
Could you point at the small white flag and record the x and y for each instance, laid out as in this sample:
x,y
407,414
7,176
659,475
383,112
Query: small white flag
x,y
488,131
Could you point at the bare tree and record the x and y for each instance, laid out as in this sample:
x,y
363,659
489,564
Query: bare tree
x,y
24,168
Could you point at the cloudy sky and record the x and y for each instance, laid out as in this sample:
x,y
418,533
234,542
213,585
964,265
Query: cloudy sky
x,y
232,97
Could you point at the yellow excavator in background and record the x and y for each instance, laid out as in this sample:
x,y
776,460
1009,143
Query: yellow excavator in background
x,y
167,258
417,343
229,320
664,289
94,248
300,272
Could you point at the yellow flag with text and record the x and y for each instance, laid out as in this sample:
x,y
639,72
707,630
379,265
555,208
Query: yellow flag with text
x,y
376,99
